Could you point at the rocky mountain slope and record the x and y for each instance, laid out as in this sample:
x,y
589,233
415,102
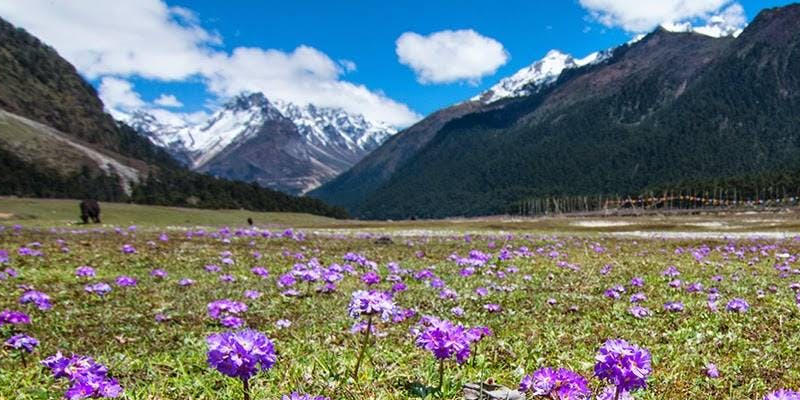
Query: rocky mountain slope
x,y
276,144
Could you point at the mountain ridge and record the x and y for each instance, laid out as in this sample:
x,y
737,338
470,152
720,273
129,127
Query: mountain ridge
x,y
326,141
614,127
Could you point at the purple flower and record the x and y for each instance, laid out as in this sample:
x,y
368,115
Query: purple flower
x,y
638,297
11,317
84,271
186,282
212,268
783,394
712,371
128,249
158,273
88,378
3,256
230,321
445,340
671,271
252,294
240,354
371,303
100,288
482,291
219,308
639,312
283,323
22,342
286,280
624,365
371,278
637,282
492,308
477,333
561,384
41,300
227,278
457,311
260,271
737,305
674,306
125,281
303,396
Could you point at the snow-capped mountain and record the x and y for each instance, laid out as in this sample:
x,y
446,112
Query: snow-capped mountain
x,y
534,77
308,145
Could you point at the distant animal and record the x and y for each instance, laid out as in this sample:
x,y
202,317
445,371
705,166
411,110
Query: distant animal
x,y
90,209
249,221
384,240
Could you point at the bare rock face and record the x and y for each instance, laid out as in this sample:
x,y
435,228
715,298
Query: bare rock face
x,y
275,144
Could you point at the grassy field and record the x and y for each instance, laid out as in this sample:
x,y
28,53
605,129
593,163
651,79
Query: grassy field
x,y
65,213
552,290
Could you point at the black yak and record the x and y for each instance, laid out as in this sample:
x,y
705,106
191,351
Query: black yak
x,y
90,209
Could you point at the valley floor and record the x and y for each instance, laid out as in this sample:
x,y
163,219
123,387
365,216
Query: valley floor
x,y
551,290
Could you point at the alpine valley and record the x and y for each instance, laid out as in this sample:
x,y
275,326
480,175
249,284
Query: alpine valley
x,y
679,109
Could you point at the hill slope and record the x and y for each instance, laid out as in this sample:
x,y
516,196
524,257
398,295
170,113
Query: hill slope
x,y
670,108
57,141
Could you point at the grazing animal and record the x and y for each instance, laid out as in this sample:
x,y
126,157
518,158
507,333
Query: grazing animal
x,y
249,221
90,209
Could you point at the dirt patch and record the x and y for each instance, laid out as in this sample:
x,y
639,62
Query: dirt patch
x,y
5,215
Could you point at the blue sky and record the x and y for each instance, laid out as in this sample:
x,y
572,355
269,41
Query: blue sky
x,y
201,52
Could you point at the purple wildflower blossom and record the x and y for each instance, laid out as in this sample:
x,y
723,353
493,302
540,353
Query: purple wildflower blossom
x,y
219,308
711,370
22,342
84,271
41,300
125,281
240,354
260,271
445,340
12,317
128,249
99,288
624,365
674,306
783,394
492,308
371,303
302,396
737,305
186,282
371,278
561,384
639,311
252,294
158,273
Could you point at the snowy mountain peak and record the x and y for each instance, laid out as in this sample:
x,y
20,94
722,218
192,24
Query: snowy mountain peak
x,y
717,27
330,138
534,77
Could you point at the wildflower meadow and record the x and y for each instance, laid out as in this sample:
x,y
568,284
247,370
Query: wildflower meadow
x,y
255,313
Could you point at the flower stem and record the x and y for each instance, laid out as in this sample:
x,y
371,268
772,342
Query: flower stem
x,y
246,388
363,347
441,373
24,362
616,395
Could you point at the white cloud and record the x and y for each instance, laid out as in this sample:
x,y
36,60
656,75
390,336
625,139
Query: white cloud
x,y
148,39
118,94
450,56
168,100
348,65
643,15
